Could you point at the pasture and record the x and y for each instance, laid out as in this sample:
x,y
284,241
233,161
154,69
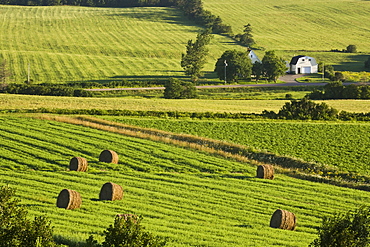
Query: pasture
x,y
191,197
66,43
296,27
75,44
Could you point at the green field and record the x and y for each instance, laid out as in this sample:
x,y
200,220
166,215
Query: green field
x,y
298,27
344,145
11,101
66,43
193,198
73,44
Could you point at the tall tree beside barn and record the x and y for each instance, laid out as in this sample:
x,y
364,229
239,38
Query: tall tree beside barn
x,y
273,66
194,59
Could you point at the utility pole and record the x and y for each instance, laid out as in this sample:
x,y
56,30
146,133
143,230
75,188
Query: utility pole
x,y
225,69
323,72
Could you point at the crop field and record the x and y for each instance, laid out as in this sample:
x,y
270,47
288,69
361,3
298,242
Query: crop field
x,y
296,27
13,101
344,145
193,198
66,43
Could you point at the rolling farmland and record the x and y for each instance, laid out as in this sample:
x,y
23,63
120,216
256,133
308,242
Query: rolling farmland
x,y
66,43
191,197
295,27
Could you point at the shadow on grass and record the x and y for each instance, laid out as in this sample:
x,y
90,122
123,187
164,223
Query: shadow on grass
x,y
68,242
356,63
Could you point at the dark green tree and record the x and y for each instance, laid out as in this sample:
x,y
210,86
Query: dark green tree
x,y
351,49
273,66
257,70
196,52
16,229
333,90
237,65
246,38
351,229
176,89
329,72
127,232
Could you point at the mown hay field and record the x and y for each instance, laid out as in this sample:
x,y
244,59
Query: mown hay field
x,y
67,43
192,198
299,27
344,145
13,101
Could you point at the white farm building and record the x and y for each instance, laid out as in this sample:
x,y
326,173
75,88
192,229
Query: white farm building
x,y
303,65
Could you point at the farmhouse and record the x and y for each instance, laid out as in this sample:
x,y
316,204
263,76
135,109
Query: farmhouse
x,y
253,56
303,65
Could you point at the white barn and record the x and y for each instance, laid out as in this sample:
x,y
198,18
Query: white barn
x,y
303,65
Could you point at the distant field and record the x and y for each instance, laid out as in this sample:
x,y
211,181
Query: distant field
x,y
193,198
66,43
323,142
11,101
299,27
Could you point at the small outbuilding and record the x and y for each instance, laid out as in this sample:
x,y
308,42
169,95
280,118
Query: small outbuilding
x,y
253,56
303,65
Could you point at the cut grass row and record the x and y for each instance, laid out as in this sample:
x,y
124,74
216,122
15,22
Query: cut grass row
x,y
191,207
8,101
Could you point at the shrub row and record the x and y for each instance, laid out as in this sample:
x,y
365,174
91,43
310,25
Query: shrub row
x,y
45,90
336,90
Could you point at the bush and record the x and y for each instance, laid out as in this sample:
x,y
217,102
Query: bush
x,y
306,109
176,89
351,229
16,229
127,232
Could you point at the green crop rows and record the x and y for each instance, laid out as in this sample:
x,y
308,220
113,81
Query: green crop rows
x,y
192,198
344,145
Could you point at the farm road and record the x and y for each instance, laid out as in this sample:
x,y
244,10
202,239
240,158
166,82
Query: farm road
x,y
290,80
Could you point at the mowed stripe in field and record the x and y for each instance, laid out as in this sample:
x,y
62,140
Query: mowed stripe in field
x,y
65,43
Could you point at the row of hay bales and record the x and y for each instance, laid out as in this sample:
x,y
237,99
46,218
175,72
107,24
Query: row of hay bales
x,y
80,164
280,218
71,199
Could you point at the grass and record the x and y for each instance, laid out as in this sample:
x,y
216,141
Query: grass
x,y
188,105
191,197
321,142
67,43
74,44
295,27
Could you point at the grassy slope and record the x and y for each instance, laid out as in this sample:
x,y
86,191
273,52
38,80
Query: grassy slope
x,y
8,101
66,43
293,27
191,206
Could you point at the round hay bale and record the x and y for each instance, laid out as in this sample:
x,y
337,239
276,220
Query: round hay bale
x,y
111,191
108,156
284,220
78,164
69,199
265,171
